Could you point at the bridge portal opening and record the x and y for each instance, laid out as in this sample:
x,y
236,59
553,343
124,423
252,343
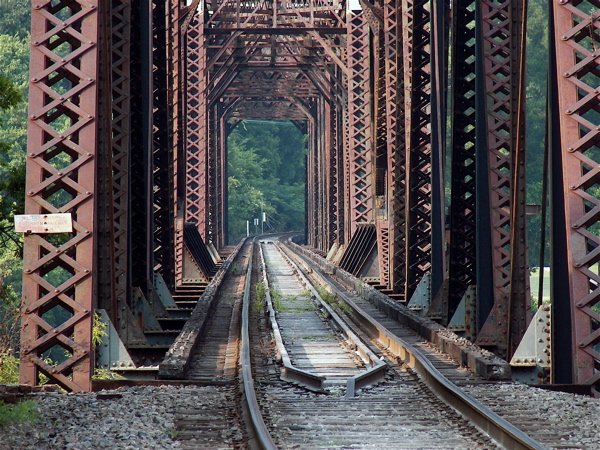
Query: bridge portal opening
x,y
266,177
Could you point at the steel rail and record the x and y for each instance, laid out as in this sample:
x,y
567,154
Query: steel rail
x,y
261,433
498,428
289,372
376,372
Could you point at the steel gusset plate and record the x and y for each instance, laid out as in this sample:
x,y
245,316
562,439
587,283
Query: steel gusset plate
x,y
59,269
577,46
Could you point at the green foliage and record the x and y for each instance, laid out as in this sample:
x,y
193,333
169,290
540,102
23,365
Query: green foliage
x,y
14,54
9,368
106,374
99,330
535,116
24,411
261,295
266,173
277,299
15,17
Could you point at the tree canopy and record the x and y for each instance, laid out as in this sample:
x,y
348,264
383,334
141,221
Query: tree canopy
x,y
266,165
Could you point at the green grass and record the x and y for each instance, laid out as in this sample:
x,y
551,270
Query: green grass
x,y
261,294
277,299
18,413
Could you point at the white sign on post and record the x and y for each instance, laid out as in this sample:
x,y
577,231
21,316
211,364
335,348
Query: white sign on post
x,y
44,223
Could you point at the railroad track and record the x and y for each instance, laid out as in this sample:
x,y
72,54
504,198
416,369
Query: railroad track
x,y
322,368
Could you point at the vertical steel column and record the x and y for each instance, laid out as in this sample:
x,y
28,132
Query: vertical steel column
x,y
394,90
417,57
176,105
140,173
576,33
331,172
212,199
113,166
61,176
162,161
335,176
382,175
197,126
501,23
462,256
396,165
222,181
360,145
190,176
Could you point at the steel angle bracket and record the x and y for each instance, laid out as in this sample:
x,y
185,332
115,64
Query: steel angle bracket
x,y
463,322
420,301
112,353
532,359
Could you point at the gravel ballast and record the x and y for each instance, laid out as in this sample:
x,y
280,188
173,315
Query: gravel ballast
x,y
142,418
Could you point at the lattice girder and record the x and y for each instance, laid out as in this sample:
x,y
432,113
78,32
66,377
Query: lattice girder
x,y
59,270
577,40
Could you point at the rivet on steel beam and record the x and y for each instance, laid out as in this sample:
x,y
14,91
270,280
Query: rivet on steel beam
x,y
88,193
580,305
32,155
56,291
30,193
570,149
569,111
34,117
34,80
573,187
36,42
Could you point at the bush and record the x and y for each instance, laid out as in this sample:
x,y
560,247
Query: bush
x,y
9,368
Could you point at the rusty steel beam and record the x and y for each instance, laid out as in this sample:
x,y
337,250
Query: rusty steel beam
x,y
462,251
501,32
113,166
175,93
162,161
360,139
59,270
395,141
196,145
575,35
416,17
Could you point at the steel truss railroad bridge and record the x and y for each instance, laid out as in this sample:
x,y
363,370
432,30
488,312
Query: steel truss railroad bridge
x,y
131,103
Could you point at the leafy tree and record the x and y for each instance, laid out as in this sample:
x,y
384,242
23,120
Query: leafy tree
x,y
14,54
536,93
266,173
15,18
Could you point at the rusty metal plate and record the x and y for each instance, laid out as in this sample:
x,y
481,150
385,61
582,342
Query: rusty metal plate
x,y
44,223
